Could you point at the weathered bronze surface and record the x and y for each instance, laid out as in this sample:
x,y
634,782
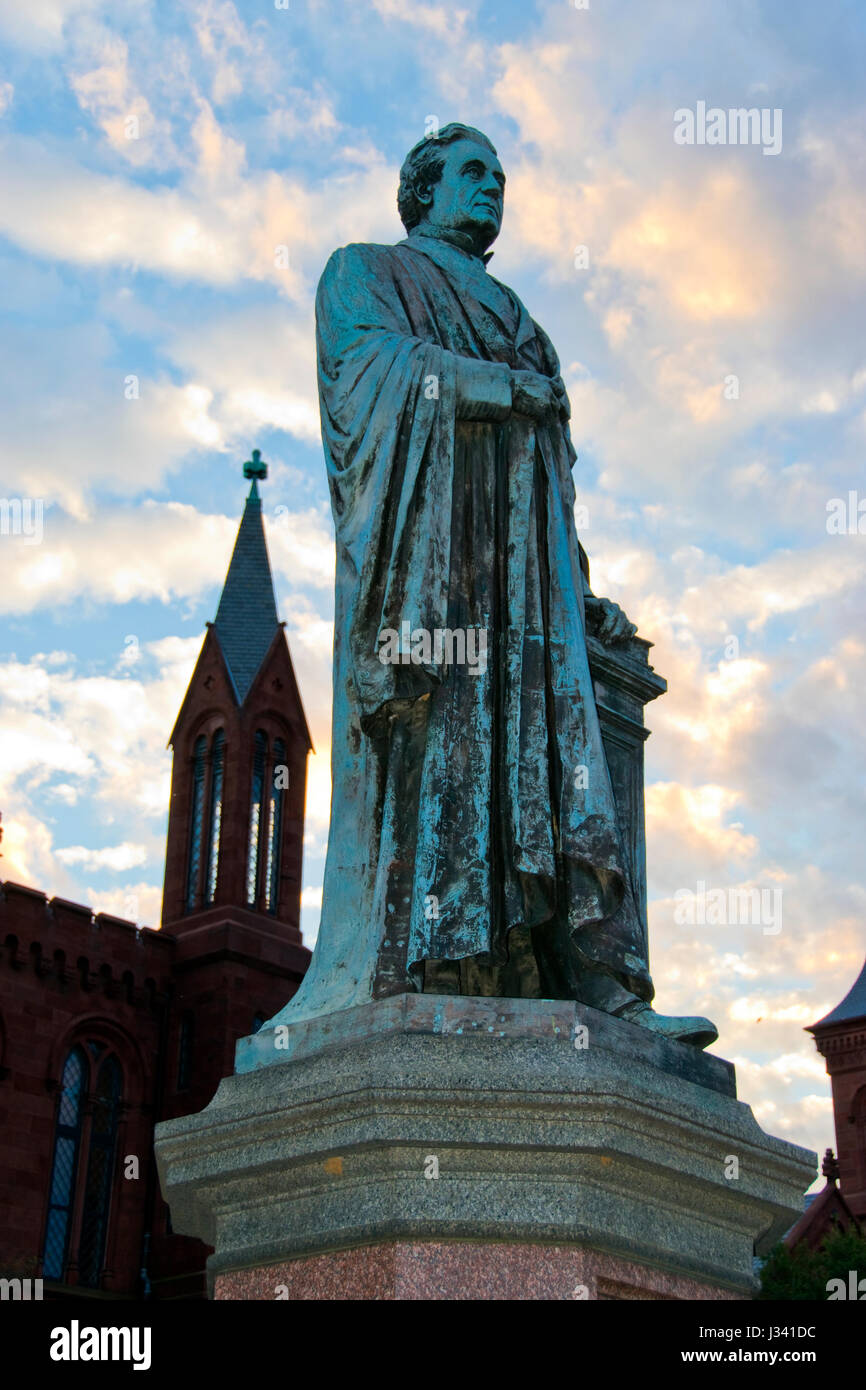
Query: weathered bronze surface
x,y
474,846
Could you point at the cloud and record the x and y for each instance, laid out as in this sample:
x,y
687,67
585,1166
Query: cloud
x,y
258,367
222,223
28,853
167,552
60,210
440,20
702,834
687,248
99,421
41,25
136,902
124,114
235,54
305,112
118,858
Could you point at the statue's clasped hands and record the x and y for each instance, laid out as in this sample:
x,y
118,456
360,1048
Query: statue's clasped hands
x,y
542,398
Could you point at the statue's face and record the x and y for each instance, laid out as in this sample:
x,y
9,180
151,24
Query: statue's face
x,y
469,196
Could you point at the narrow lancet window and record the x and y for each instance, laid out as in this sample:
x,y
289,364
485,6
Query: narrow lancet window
x,y
279,770
66,1142
216,814
196,822
100,1171
258,814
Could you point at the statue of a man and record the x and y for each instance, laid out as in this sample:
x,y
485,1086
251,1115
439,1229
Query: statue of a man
x,y
474,845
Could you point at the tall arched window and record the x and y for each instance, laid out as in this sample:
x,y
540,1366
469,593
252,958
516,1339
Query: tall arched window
x,y
196,823
257,818
67,1141
100,1168
217,760
279,770
84,1148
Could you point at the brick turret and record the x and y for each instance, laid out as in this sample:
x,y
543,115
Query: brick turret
x,y
240,756
840,1037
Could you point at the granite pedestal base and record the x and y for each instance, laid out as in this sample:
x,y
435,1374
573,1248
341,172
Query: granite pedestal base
x,y
461,1270
457,1148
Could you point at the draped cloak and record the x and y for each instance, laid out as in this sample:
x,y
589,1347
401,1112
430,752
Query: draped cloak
x,y
470,808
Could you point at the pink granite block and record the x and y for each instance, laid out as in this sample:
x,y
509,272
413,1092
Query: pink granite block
x,y
462,1270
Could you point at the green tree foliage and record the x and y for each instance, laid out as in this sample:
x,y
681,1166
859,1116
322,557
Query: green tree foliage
x,y
804,1274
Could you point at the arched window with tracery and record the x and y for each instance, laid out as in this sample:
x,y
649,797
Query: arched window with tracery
x,y
67,1142
100,1169
196,822
215,815
205,820
279,770
258,818
85,1144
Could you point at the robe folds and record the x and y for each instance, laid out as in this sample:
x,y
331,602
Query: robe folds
x,y
472,808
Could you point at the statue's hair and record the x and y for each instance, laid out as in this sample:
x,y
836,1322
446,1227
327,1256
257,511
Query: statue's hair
x,y
423,165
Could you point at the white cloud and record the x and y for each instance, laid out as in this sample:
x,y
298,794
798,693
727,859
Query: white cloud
x,y
124,114
441,20
235,54
259,368
118,858
28,855
40,24
157,551
136,902
168,552
221,224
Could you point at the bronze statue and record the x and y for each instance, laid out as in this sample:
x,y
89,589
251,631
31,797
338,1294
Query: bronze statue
x,y
474,845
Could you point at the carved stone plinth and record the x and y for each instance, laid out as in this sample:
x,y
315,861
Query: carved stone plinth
x,y
375,1138
624,683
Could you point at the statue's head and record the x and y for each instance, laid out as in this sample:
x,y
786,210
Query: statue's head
x,y
454,182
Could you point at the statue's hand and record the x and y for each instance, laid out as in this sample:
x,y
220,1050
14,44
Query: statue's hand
x,y
564,403
536,396
607,621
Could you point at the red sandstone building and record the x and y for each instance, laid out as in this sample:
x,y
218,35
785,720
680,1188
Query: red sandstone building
x,y
106,1028
840,1037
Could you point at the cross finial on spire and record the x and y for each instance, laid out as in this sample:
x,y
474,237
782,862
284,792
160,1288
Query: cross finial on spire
x,y
255,468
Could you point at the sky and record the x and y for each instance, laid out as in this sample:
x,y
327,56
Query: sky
x,y
174,179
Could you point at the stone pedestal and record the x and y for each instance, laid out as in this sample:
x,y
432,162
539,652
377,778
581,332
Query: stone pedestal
x,y
624,683
433,1147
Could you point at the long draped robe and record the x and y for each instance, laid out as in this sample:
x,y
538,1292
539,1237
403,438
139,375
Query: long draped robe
x,y
472,814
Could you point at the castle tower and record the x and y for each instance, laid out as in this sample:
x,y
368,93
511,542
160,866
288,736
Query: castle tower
x,y
840,1037
232,895
240,748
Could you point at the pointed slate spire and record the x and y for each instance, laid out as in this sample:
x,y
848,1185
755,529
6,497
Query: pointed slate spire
x,y
852,1007
246,618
